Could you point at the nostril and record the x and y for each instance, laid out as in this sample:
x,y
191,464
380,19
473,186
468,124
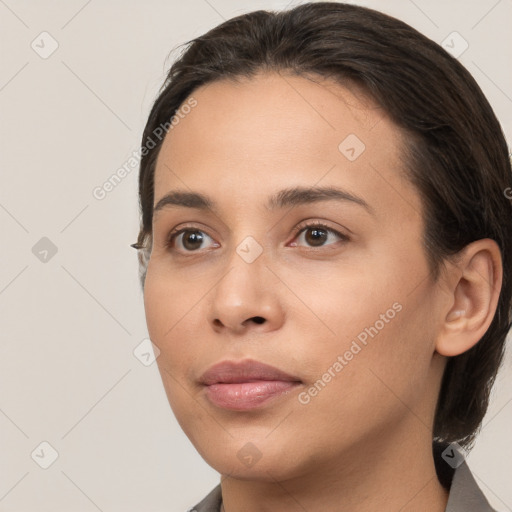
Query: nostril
x,y
258,319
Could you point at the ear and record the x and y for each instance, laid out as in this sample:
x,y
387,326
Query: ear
x,y
474,288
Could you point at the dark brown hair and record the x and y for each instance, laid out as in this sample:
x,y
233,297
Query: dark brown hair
x,y
456,153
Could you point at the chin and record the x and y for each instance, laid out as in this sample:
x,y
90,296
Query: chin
x,y
247,460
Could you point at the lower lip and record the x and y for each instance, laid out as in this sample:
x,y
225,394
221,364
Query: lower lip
x,y
243,396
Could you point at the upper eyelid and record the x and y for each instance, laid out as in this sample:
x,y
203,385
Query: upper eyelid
x,y
296,229
320,224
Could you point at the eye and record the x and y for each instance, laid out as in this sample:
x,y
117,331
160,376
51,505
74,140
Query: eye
x,y
316,234
187,239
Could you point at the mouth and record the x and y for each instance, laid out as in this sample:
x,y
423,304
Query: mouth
x,y
246,385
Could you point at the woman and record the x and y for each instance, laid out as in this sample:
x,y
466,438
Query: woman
x,y
325,251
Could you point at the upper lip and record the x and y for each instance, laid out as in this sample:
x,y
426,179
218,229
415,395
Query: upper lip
x,y
231,372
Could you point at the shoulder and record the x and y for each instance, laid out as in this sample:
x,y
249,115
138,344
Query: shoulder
x,y
211,503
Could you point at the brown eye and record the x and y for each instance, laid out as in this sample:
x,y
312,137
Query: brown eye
x,y
192,240
315,236
318,235
187,240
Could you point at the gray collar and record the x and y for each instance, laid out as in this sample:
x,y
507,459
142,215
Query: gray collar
x,y
465,495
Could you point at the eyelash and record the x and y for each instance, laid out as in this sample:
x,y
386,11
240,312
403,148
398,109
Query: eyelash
x,y
296,231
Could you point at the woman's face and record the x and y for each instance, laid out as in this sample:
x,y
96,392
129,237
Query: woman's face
x,y
331,288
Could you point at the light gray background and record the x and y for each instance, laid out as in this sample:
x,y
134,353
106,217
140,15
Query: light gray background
x,y
69,326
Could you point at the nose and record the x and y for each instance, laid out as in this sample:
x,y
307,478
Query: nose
x,y
246,298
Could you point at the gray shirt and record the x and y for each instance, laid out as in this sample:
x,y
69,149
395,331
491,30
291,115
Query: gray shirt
x,y
465,495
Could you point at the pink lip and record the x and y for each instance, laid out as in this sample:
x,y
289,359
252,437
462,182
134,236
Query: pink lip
x,y
245,385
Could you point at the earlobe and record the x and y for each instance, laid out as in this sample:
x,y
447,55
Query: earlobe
x,y
474,293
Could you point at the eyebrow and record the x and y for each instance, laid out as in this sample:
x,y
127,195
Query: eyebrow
x,y
286,198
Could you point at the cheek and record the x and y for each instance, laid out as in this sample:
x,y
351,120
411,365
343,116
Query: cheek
x,y
169,296
169,304
365,381
168,312
159,305
341,302
374,324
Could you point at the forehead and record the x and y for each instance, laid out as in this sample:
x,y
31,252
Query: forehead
x,y
273,130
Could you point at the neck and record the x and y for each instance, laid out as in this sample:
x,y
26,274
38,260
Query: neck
x,y
396,472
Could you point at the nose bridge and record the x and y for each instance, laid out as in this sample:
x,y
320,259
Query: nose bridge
x,y
246,268
247,255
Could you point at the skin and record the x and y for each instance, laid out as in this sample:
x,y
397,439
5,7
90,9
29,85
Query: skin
x,y
363,443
